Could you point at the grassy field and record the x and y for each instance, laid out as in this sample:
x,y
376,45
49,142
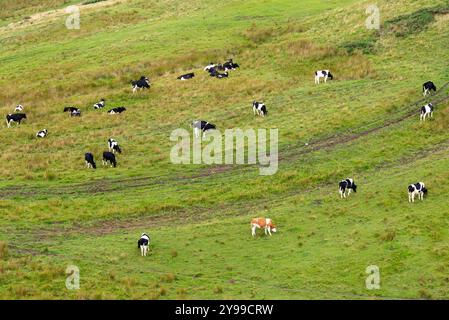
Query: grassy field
x,y
364,124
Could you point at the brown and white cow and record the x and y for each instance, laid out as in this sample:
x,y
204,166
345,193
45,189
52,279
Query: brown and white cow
x,y
265,223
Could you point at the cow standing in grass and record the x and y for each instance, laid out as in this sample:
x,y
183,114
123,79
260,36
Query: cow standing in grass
x,y
17,118
42,133
427,87
142,83
90,162
143,244
109,157
326,74
260,109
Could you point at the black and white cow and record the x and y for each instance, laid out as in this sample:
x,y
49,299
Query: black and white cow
x,y
200,125
143,244
347,184
186,76
209,67
426,111
113,146
230,65
100,105
90,162
19,108
109,157
259,108
42,133
75,113
141,84
213,72
16,117
222,75
416,189
323,74
427,87
117,110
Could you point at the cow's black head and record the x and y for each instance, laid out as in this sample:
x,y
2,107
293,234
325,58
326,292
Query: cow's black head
x,y
424,190
330,76
354,187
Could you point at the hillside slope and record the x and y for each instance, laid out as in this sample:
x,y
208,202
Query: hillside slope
x,y
364,124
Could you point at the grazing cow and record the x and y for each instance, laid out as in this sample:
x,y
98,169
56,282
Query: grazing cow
x,y
416,189
16,117
200,125
143,244
426,111
90,163
186,76
73,111
117,110
323,74
100,105
222,75
347,184
42,133
266,223
113,146
427,87
259,108
213,72
141,84
18,108
109,157
209,67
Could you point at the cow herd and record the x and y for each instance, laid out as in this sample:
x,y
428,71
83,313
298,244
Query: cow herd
x,y
201,127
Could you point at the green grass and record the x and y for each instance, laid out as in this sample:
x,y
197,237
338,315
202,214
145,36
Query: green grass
x,y
197,215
